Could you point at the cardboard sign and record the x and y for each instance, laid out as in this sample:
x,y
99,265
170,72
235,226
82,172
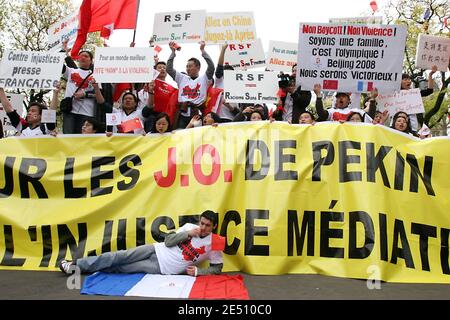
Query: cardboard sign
x,y
409,101
123,65
432,51
48,116
113,119
245,56
250,86
17,103
66,28
358,20
230,27
30,69
183,26
282,56
351,58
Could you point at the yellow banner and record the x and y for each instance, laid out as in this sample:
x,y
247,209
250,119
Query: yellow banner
x,y
345,200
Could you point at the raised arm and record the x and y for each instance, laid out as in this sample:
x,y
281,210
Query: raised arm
x,y
169,68
210,69
220,62
5,102
321,112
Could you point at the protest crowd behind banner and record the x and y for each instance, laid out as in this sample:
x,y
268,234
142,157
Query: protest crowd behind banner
x,y
247,130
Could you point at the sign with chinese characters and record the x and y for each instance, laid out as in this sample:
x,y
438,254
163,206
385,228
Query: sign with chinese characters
x,y
432,50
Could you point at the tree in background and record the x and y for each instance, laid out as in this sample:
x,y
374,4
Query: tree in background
x,y
428,17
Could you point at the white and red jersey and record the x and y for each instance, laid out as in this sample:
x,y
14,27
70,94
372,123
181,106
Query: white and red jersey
x,y
175,260
136,114
337,114
74,79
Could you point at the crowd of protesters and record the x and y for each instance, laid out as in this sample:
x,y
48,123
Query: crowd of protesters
x,y
91,101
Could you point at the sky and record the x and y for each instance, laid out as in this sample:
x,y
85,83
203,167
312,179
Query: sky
x,y
275,20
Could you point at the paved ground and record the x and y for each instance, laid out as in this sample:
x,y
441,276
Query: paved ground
x,y
44,285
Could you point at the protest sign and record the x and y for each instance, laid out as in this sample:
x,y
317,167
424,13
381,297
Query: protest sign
x,y
48,116
230,27
63,29
358,20
119,65
30,69
351,58
282,56
409,101
113,119
250,86
182,26
17,103
432,50
245,56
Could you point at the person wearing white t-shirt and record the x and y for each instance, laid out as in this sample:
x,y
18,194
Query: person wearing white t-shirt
x,y
341,110
192,88
180,253
31,126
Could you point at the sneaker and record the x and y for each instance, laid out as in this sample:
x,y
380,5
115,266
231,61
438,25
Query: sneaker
x,y
65,266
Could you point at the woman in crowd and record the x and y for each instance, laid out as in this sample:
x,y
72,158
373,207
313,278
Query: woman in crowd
x,y
402,123
306,117
161,124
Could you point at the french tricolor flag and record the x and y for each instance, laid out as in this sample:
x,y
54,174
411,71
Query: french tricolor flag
x,y
364,86
221,286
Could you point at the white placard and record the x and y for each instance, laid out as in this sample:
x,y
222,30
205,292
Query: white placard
x,y
48,116
358,20
63,29
113,119
30,69
250,86
17,103
351,58
245,56
182,26
230,27
119,65
432,51
282,56
409,101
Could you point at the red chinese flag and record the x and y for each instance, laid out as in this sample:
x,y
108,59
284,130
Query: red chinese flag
x,y
222,286
213,96
95,15
119,89
217,243
374,6
130,125
330,84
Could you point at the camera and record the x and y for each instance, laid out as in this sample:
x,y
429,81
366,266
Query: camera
x,y
284,80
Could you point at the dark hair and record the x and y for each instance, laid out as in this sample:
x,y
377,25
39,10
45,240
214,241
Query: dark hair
x,y
96,125
258,112
342,93
214,116
405,76
158,117
39,105
306,111
159,62
128,93
196,62
91,55
351,115
210,215
400,114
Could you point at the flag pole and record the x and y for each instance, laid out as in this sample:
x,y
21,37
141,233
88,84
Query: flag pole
x,y
137,16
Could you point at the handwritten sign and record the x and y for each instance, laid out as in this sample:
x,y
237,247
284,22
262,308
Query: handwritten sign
x,y
409,101
119,65
432,51
231,27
